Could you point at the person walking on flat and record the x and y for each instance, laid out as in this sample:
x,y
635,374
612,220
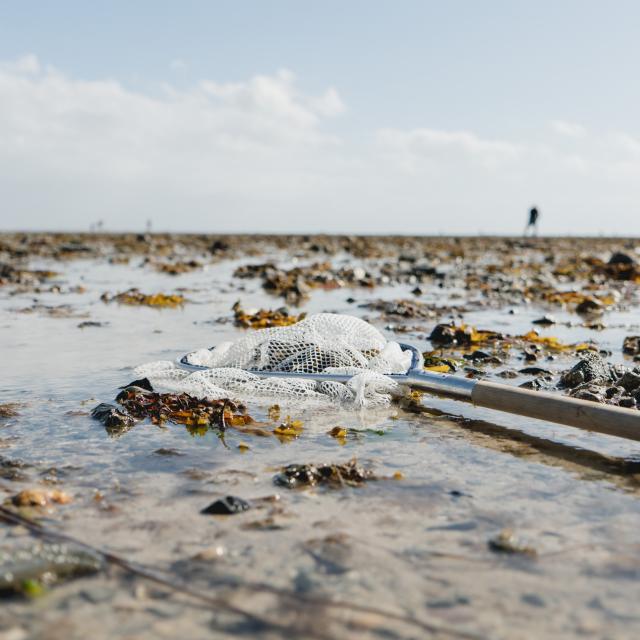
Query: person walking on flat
x,y
533,222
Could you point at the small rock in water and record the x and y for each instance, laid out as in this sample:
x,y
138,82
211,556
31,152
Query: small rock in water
x,y
630,381
446,334
40,497
545,321
588,394
333,475
90,323
111,416
543,382
164,451
621,258
535,371
589,306
507,542
631,345
227,506
591,368
141,383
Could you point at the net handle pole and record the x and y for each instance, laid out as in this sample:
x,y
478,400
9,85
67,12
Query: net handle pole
x,y
583,414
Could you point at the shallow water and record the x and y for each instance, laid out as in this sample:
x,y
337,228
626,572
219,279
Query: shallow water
x,y
416,546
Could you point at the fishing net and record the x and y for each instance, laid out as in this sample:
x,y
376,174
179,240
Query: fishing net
x,y
323,343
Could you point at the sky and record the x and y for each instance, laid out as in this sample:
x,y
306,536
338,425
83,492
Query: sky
x,y
412,117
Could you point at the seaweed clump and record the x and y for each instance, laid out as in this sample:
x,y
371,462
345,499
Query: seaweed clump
x,y
264,318
136,298
138,403
334,476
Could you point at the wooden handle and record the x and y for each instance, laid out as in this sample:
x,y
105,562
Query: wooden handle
x,y
584,414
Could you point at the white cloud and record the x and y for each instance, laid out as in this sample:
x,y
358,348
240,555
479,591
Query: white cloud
x,y
569,129
329,104
78,142
436,147
260,155
28,64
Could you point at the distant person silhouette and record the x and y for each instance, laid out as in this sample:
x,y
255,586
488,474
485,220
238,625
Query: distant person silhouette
x,y
533,222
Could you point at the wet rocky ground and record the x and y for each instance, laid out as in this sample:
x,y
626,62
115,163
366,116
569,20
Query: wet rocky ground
x,y
429,518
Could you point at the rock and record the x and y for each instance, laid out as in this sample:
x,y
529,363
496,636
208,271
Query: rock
x,y
627,402
537,383
589,306
631,345
585,394
545,321
533,600
621,258
141,383
591,368
507,542
535,371
112,417
482,357
630,381
219,246
448,334
40,497
508,373
227,506
333,475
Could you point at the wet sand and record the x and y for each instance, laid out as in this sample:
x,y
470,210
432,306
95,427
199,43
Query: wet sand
x,y
405,557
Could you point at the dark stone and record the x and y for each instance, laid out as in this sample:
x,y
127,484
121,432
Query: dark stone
x,y
589,306
621,258
591,368
535,371
533,599
218,246
142,383
227,506
447,334
111,416
588,395
631,345
537,383
627,402
545,321
630,381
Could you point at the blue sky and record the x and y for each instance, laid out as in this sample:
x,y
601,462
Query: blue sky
x,y
335,116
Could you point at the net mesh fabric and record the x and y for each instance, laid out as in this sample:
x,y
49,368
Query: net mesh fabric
x,y
323,343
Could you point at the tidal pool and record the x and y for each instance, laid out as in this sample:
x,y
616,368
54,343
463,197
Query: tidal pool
x,y
414,547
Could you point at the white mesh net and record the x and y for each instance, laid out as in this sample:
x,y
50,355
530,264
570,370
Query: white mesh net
x,y
324,343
